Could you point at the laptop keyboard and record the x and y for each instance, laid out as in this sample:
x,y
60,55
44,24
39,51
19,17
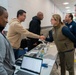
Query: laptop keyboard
x,y
33,55
22,73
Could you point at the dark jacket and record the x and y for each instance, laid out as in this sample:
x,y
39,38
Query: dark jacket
x,y
72,27
35,27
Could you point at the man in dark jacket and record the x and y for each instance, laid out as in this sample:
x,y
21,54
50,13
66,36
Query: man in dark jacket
x,y
71,24
35,27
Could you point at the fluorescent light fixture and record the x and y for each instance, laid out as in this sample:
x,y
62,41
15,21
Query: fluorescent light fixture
x,y
67,7
67,10
66,3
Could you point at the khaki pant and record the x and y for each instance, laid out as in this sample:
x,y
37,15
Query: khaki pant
x,y
67,62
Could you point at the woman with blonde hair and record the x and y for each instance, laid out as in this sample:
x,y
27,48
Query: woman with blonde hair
x,y
64,40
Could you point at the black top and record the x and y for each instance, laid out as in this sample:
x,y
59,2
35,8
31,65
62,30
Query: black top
x,y
35,27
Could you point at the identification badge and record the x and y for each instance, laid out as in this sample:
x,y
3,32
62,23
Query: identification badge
x,y
70,26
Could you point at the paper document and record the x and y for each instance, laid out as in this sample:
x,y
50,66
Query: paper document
x,y
34,52
50,62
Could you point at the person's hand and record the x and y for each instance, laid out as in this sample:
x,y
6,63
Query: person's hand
x,y
42,37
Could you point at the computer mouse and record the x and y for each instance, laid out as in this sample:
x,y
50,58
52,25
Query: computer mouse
x,y
45,65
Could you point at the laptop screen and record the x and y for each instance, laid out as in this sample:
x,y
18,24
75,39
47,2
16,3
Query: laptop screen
x,y
31,64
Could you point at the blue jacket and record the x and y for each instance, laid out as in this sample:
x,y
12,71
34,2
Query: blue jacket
x,y
72,27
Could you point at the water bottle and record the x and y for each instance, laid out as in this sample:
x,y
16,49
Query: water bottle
x,y
45,49
42,53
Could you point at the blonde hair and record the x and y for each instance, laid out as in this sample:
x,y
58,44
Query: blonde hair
x,y
57,18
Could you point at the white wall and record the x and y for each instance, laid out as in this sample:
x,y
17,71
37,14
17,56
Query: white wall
x,y
32,7
4,3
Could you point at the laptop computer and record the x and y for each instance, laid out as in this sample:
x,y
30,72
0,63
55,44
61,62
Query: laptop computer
x,y
30,66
